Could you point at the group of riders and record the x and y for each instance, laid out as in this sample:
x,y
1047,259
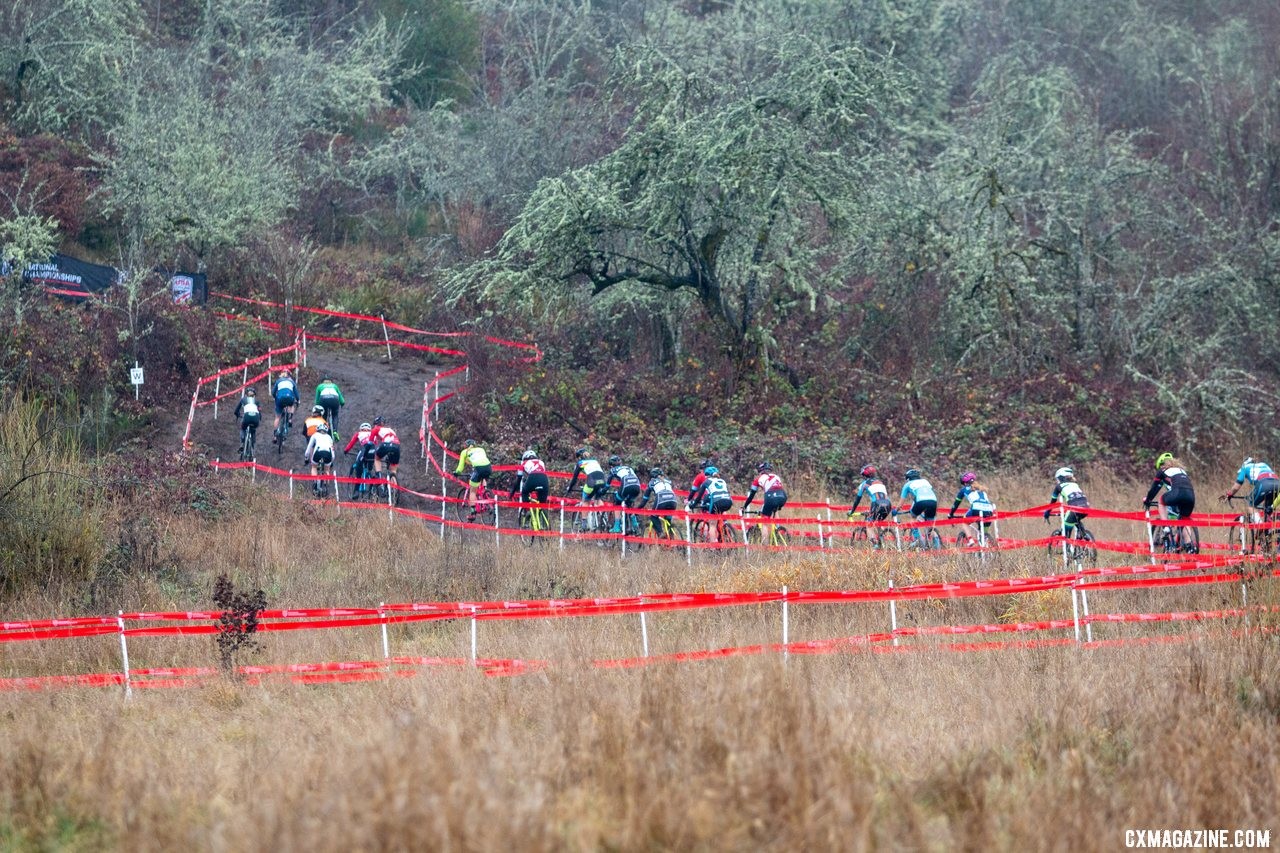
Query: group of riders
x,y
620,485
378,444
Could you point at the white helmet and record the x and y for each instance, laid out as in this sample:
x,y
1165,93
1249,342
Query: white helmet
x,y
1246,461
1065,474
528,454
366,425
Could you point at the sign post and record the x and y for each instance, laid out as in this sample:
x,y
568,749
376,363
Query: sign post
x,y
135,376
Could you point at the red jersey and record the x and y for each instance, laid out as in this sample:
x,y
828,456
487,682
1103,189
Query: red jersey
x,y
533,466
361,437
766,482
383,435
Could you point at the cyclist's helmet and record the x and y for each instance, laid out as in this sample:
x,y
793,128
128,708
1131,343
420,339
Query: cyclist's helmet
x,y
967,477
868,470
377,421
705,464
323,428
1246,461
366,425
615,460
655,472
711,470
1064,474
251,393
764,466
317,410
583,452
527,455
913,474
470,442
284,374
1163,459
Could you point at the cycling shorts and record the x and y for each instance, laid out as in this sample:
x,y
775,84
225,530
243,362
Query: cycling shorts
x,y
626,494
322,457
666,506
250,420
926,510
773,501
595,486
481,473
283,402
879,511
1074,518
535,484
388,452
1180,501
719,505
1264,492
979,513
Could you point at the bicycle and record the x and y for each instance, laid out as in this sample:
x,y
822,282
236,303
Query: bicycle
x,y
660,527
1080,547
485,509
282,431
1243,536
1174,538
248,442
723,532
874,533
778,535
928,540
361,470
532,520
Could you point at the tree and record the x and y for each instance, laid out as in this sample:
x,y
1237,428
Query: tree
x,y
744,192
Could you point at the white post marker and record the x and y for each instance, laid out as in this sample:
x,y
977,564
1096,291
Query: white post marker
x,y
1075,611
1151,537
1063,532
786,627
435,399
644,634
1084,606
622,530
497,537
386,646
337,498
217,389
124,655
426,392
688,541
304,348
135,376
893,616
290,484
474,639
444,485
561,527
385,336
244,375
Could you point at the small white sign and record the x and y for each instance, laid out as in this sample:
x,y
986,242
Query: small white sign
x,y
135,375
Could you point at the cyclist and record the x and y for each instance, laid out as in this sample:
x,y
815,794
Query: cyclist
x,y
1261,479
873,488
387,448
663,494
625,483
319,455
329,397
593,476
531,478
701,475
980,506
924,501
315,420
1067,492
365,457
712,494
481,469
1171,488
775,495
248,413
285,392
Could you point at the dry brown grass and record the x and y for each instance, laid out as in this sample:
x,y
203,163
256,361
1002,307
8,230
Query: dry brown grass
x,y
1048,748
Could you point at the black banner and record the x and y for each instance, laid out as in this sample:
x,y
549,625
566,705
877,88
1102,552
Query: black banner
x,y
71,278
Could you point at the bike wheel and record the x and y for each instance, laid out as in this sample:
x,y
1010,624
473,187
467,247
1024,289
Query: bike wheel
x,y
932,541
754,536
1238,536
701,531
727,534
393,493
1084,552
781,537
460,507
1191,540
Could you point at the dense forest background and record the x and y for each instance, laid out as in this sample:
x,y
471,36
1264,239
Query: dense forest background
x,y
927,231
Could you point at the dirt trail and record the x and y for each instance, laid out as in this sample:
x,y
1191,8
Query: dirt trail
x,y
371,386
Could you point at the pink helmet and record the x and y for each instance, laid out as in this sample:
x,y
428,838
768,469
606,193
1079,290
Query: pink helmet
x,y
967,477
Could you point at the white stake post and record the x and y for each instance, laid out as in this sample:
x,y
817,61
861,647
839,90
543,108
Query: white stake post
x,y
304,348
1084,606
391,513
244,376
688,541
497,537
124,655
644,633
622,520
217,391
1075,611
474,639
290,484
426,397
893,616
1062,516
337,498
1151,538
444,485
562,527
385,336
435,400
786,627
386,645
